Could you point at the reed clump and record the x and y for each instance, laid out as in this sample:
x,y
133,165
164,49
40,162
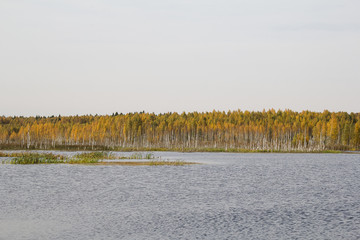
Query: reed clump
x,y
91,157
137,156
95,158
159,162
37,158
141,156
50,158
4,154
147,163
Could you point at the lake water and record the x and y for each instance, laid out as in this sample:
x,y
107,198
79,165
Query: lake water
x,y
229,196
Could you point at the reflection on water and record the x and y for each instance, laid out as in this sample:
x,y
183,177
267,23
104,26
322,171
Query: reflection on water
x,y
230,196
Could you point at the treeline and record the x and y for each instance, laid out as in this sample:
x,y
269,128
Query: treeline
x,y
243,130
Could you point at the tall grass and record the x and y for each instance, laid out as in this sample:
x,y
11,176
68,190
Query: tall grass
x,y
37,158
138,156
85,158
49,158
4,154
91,157
80,158
167,162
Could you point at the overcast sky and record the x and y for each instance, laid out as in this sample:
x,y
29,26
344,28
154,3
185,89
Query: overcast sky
x,y
101,56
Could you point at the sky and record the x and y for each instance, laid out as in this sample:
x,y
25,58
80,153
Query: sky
x,y
73,57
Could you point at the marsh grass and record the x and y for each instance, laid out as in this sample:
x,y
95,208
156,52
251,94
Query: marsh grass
x,y
149,156
4,154
91,157
147,163
159,162
141,156
49,158
137,156
95,158
36,158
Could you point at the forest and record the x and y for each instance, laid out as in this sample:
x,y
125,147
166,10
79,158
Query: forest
x,y
282,131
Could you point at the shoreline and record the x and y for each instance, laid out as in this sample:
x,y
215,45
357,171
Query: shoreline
x,y
186,150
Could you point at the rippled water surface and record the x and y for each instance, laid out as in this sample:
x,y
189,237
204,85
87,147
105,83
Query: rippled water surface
x,y
229,196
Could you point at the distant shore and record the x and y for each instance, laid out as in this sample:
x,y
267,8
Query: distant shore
x,y
216,131
184,150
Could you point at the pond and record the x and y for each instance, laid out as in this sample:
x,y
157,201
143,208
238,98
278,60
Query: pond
x,y
227,196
